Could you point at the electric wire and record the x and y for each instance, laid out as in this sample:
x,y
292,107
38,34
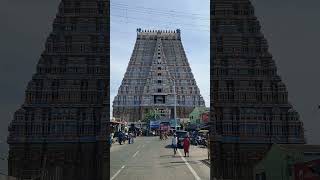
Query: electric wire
x,y
150,11
187,29
164,18
169,22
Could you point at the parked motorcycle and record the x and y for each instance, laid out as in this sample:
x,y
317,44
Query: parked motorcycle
x,y
205,142
201,141
193,141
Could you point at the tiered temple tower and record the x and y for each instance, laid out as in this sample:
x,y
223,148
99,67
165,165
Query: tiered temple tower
x,y
60,130
249,100
157,65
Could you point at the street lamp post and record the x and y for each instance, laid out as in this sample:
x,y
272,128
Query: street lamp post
x,y
175,104
140,128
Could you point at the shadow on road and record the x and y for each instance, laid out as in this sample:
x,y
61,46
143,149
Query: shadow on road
x,y
178,162
170,147
166,156
169,156
206,162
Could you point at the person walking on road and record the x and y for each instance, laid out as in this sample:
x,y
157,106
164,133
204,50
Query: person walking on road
x,y
186,145
132,137
129,137
120,137
174,144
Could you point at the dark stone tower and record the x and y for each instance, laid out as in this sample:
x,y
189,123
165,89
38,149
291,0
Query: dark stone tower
x,y
157,65
60,130
248,98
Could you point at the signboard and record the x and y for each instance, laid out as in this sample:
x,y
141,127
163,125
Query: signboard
x,y
205,117
307,171
164,126
162,111
154,124
5,177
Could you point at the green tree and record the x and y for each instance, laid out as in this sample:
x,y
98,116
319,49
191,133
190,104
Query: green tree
x,y
150,115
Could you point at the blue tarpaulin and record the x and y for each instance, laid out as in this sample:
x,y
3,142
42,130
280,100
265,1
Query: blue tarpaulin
x,y
155,124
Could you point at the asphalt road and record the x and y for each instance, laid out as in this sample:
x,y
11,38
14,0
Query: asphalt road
x,y
151,159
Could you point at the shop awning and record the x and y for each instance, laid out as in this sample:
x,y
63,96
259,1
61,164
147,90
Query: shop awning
x,y
115,122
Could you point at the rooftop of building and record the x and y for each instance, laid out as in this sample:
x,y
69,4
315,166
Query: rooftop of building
x,y
300,147
201,109
158,32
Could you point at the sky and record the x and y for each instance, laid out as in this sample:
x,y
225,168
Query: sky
x,y
290,26
191,17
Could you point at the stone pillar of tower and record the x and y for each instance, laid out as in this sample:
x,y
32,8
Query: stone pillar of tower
x,y
59,132
249,99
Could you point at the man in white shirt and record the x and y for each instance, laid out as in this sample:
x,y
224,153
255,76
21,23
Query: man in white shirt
x,y
174,143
